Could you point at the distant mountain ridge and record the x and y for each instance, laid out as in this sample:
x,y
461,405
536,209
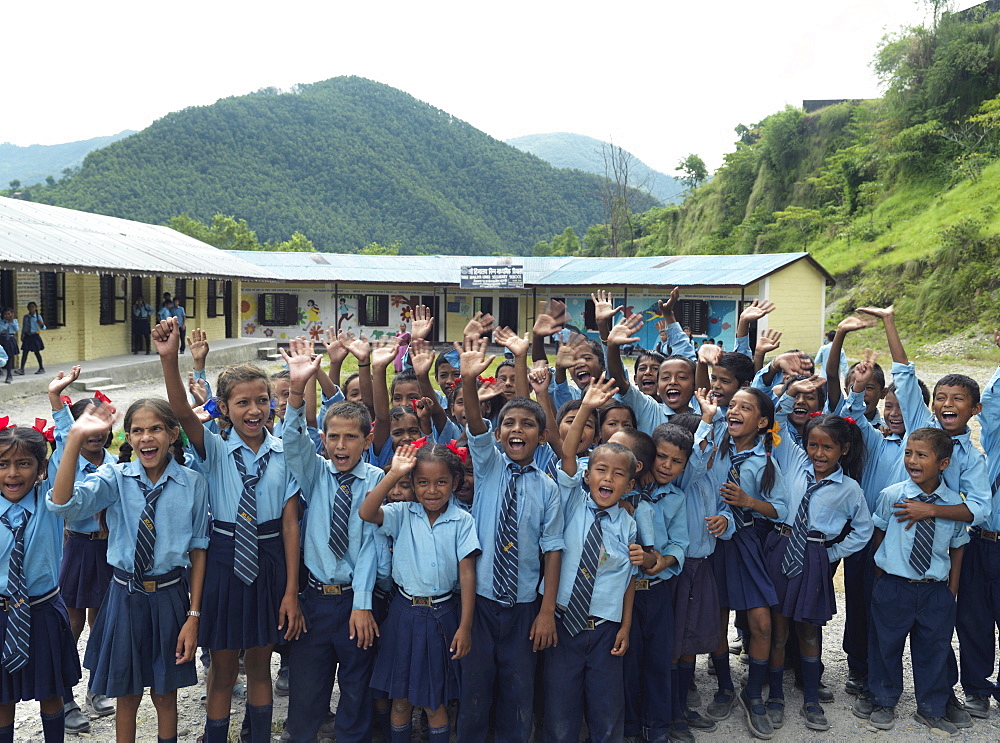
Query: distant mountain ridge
x,y
34,163
347,162
567,150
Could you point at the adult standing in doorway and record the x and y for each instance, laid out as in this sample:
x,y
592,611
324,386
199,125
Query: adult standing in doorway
x,y
140,325
31,337
9,330
178,311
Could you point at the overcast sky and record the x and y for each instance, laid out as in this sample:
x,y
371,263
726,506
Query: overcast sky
x,y
659,78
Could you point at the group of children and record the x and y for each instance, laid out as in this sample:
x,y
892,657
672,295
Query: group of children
x,y
549,546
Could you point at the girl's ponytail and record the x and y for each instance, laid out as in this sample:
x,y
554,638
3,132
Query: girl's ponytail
x,y
125,453
769,475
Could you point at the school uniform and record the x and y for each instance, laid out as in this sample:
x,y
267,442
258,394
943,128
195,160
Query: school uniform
x,y
913,601
648,412
580,672
31,338
140,326
506,604
244,615
84,574
677,343
414,660
337,585
133,643
647,673
181,316
9,332
52,665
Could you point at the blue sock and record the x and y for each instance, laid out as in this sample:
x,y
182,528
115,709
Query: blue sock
x,y
676,711
775,678
7,734
166,740
260,722
382,723
54,727
401,733
439,735
722,672
755,678
685,672
810,678
217,730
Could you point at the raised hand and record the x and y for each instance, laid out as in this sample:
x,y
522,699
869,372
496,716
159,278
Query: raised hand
x,y
756,310
666,309
479,324
383,352
421,356
805,386
360,348
623,333
551,319
604,308
709,353
198,346
422,322
705,401
302,362
880,312
197,389
404,460
851,323
473,360
423,408
335,348
62,380
539,380
510,340
94,422
864,371
599,393
770,340
165,337
568,351
792,363
490,390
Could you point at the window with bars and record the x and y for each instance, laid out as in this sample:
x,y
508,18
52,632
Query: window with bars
x,y
114,300
53,296
275,309
184,294
693,313
373,310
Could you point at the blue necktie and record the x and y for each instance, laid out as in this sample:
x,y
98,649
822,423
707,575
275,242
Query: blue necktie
x,y
145,538
15,642
923,540
578,606
89,468
340,512
505,554
736,460
795,552
245,534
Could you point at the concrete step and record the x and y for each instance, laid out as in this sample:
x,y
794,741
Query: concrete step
x,y
266,352
273,357
92,383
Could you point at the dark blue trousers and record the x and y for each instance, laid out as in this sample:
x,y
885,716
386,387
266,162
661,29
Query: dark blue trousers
x,y
978,615
315,658
648,697
584,663
499,673
926,613
859,577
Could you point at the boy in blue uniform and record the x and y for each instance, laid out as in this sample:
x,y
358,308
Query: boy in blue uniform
x,y
518,517
339,552
914,594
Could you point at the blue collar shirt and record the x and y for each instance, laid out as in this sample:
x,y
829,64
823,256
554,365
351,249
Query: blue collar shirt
x,y
670,526
893,555
989,438
181,512
64,422
883,454
9,328
33,324
142,311
43,540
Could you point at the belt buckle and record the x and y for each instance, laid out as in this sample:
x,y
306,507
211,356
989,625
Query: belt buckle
x,y
331,590
990,535
149,586
5,604
420,601
642,585
589,624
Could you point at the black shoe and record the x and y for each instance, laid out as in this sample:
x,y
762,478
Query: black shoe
x,y
41,370
699,723
721,707
863,706
756,714
855,684
825,693
978,705
815,717
940,726
19,372
957,714
776,711
9,379
680,733
882,718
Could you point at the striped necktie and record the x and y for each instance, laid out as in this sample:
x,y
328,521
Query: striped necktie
x,y
245,533
795,552
15,643
505,552
578,606
145,538
736,460
923,540
89,468
340,512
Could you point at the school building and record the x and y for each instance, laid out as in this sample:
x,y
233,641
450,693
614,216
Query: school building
x,y
375,294
84,272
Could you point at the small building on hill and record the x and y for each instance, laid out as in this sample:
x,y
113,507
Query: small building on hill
x,y
85,270
375,294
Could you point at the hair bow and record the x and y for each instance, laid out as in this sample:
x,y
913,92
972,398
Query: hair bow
x,y
455,385
98,395
850,420
419,443
211,407
40,425
65,400
462,452
487,380
5,423
50,434
773,430
817,413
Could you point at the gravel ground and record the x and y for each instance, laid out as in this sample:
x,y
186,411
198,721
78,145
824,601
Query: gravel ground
x,y
844,725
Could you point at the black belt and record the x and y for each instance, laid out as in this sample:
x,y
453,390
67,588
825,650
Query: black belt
x,y
92,536
425,600
590,623
6,603
980,533
328,589
786,531
644,584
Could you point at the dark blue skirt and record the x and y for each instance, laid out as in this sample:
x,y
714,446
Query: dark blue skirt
x,y
84,573
696,608
741,573
32,342
414,661
53,665
133,644
809,596
236,616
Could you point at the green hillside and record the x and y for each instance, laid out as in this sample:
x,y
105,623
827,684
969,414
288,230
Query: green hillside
x,y
347,162
35,163
566,150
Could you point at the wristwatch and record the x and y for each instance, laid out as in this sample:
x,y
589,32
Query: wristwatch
x,y
194,614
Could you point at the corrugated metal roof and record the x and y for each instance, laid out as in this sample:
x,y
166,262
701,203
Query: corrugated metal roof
x,y
39,237
661,270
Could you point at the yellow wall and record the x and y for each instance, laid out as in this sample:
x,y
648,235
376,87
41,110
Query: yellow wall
x,y
798,292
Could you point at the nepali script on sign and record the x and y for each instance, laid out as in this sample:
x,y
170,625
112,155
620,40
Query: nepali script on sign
x,y
492,277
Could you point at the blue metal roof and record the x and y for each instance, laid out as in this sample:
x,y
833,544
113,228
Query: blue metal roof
x,y
660,270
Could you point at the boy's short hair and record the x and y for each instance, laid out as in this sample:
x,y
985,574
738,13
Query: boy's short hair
x,y
924,392
677,357
679,436
645,353
354,411
407,375
830,335
940,441
612,448
569,406
505,362
643,448
598,348
524,403
960,380
878,374
441,359
687,421
739,364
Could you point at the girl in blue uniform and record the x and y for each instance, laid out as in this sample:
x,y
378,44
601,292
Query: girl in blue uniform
x,y
251,574
824,495
434,551
38,658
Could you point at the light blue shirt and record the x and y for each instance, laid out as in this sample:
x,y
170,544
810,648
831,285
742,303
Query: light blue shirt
x,y
702,501
141,311
33,324
426,556
830,507
562,392
743,346
181,512
163,313
883,454
180,314
9,328
225,486
3,357
450,430
670,527
615,570
43,540
677,343
966,474
539,516
819,360
64,422
989,437
893,555
358,567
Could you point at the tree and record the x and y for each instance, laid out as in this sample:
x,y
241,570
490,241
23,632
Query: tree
x,y
694,170
376,249
622,195
228,233
15,184
801,219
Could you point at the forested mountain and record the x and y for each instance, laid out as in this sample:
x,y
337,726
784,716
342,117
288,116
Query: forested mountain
x,y
35,163
347,162
566,150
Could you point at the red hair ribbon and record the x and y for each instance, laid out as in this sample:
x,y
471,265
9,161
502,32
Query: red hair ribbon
x,y
850,420
455,385
462,452
50,434
5,423
419,443
40,425
65,400
98,395
487,380
813,415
